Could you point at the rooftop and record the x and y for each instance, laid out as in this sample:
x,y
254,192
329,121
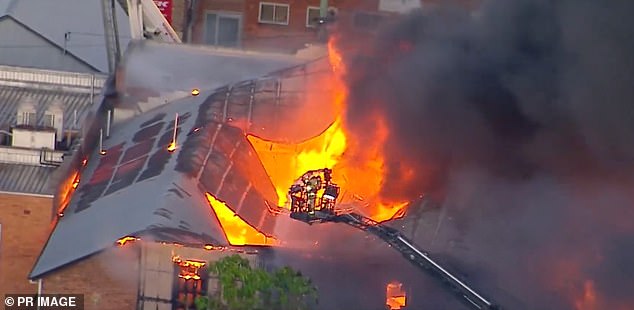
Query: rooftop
x,y
81,19
143,190
23,171
77,92
25,179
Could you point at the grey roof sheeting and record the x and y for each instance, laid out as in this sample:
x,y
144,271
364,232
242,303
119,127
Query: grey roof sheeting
x,y
138,188
145,66
25,179
73,102
82,18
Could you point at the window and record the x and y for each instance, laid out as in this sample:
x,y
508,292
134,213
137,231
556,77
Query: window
x,y
29,118
273,13
312,16
49,120
190,282
223,29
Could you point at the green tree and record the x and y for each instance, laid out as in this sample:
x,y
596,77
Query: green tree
x,y
246,288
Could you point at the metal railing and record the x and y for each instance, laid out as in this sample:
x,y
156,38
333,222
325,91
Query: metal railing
x,y
38,157
58,78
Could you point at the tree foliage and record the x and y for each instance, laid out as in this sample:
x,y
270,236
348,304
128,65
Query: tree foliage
x,y
244,288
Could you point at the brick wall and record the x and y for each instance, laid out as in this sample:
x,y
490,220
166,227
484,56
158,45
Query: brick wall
x,y
108,280
259,36
295,35
204,6
26,223
254,35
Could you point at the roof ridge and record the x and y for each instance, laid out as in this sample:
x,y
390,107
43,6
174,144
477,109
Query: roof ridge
x,y
50,40
10,7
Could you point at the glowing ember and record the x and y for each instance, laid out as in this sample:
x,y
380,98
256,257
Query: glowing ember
x,y
171,147
70,184
76,181
238,231
359,167
126,239
395,296
210,247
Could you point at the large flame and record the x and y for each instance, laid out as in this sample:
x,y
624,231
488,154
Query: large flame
x,y
238,231
358,167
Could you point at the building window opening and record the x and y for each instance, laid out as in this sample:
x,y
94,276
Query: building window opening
x,y
29,118
313,16
49,120
190,282
273,13
223,29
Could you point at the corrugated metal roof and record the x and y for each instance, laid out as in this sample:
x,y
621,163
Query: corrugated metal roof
x,y
25,179
82,19
72,102
138,188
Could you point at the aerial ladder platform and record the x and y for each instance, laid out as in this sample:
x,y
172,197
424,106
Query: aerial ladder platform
x,y
313,199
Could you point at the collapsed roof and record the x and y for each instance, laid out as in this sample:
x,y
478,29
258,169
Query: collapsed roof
x,y
139,188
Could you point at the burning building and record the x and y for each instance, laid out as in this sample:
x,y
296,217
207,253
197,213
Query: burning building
x,y
165,182
160,186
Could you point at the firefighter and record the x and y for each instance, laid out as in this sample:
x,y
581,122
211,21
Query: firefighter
x,y
295,195
331,192
312,185
327,175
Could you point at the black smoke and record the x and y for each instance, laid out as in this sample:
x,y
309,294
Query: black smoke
x,y
517,87
522,115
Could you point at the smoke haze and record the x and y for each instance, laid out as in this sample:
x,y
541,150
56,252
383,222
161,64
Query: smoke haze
x,y
522,116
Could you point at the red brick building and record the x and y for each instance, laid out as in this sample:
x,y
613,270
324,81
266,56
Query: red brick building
x,y
277,25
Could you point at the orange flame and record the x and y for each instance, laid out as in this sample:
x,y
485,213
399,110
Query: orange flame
x,y
127,239
189,269
238,231
76,181
357,167
171,147
67,191
395,296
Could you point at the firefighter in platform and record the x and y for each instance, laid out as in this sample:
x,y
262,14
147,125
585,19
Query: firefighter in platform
x,y
295,195
328,199
312,185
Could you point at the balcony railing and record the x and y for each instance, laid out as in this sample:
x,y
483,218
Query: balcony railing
x,y
25,156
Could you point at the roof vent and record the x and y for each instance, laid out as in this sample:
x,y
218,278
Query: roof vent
x,y
26,113
54,118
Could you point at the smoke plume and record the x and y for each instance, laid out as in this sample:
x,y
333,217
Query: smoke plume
x,y
522,115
